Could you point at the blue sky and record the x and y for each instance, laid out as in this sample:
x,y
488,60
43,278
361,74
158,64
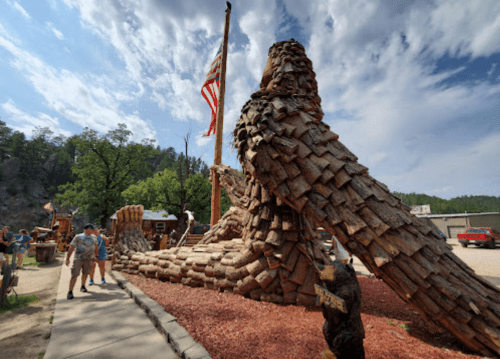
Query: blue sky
x,y
413,89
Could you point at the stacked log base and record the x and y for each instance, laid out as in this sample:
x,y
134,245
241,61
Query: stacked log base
x,y
284,145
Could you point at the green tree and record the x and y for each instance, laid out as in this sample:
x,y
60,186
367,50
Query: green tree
x,y
163,191
5,134
105,166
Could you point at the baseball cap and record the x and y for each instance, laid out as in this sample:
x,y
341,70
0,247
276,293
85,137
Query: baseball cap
x,y
89,226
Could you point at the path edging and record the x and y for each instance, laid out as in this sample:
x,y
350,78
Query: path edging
x,y
178,337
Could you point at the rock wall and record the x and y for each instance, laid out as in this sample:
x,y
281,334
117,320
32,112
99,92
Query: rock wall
x,y
21,201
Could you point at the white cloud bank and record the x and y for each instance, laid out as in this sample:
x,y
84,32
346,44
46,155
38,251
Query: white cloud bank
x,y
376,61
86,100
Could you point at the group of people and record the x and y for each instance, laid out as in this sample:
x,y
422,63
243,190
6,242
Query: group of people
x,y
90,249
8,241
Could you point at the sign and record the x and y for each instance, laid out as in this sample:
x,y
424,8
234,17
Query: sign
x,y
330,299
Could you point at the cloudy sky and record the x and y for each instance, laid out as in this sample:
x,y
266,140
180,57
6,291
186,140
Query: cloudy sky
x,y
411,87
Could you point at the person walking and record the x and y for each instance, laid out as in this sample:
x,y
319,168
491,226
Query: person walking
x,y
102,242
24,244
85,247
6,239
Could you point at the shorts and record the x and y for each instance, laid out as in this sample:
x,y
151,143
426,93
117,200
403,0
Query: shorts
x,y
84,265
102,254
3,248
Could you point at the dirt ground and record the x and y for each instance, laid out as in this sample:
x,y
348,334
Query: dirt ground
x,y
25,332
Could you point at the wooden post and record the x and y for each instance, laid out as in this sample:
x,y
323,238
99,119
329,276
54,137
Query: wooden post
x,y
216,190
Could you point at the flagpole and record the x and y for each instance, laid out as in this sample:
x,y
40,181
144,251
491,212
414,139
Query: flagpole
x,y
216,190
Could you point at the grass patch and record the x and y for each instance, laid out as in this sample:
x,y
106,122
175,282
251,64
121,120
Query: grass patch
x,y
51,319
40,356
404,326
47,336
31,261
13,303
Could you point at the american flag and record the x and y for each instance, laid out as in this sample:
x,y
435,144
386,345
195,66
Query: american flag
x,y
210,89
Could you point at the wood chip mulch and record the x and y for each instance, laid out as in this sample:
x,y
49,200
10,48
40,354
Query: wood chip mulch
x,y
230,326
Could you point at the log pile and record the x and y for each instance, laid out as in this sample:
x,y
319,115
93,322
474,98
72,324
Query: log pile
x,y
284,145
128,237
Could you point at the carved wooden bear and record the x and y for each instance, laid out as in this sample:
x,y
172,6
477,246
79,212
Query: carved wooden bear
x,y
344,332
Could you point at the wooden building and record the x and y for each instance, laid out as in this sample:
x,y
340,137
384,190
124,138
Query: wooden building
x,y
155,221
452,224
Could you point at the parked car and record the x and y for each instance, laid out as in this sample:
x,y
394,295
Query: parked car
x,y
479,236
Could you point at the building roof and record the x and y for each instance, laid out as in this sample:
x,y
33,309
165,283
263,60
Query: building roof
x,y
150,215
456,215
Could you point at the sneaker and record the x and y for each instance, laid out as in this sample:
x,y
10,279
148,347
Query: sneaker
x,y
91,282
70,295
103,281
83,289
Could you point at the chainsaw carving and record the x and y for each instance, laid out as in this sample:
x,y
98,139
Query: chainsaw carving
x,y
128,236
298,177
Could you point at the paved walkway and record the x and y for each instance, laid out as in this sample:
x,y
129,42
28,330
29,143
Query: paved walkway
x,y
482,260
102,323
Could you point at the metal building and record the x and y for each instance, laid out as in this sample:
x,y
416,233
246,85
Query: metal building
x,y
452,224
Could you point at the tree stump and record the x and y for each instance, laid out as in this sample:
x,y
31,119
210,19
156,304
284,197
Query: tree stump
x,y
46,252
32,250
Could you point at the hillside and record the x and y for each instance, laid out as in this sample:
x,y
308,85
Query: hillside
x,y
469,204
21,200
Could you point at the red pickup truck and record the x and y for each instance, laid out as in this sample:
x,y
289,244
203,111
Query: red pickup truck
x,y
478,236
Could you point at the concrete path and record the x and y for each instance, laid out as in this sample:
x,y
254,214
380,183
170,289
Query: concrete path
x,y
102,323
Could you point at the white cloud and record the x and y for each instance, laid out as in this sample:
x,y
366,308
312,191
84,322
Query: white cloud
x,y
202,141
56,32
15,5
492,69
86,100
28,123
169,47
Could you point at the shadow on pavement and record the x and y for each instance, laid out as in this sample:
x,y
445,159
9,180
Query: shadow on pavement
x,y
492,280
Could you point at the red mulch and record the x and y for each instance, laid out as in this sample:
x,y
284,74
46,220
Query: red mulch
x,y
231,326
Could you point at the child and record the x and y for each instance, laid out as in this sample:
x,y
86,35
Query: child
x,y
24,241
102,242
7,238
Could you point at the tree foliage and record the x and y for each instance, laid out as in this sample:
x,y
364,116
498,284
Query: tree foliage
x,y
469,204
163,191
105,166
43,157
